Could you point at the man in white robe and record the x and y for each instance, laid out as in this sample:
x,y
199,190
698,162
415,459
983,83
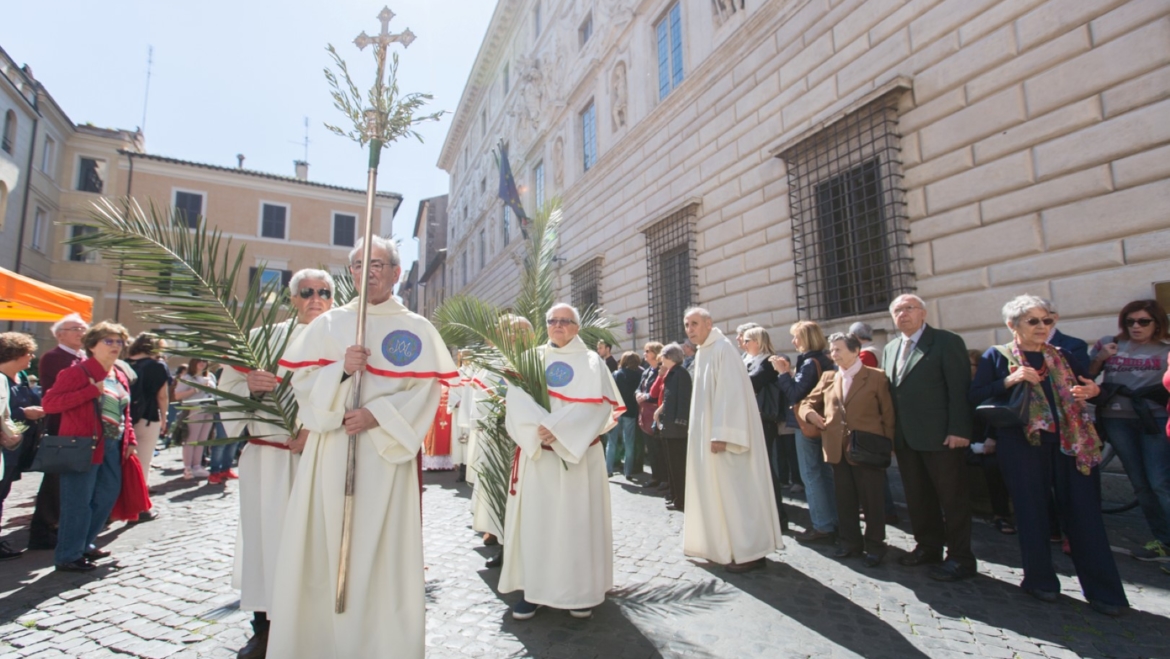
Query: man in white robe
x,y
402,365
731,515
268,463
558,534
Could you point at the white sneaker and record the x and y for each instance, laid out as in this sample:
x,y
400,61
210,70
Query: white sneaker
x,y
200,473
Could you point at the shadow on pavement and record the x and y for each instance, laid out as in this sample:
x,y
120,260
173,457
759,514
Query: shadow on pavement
x,y
446,480
821,610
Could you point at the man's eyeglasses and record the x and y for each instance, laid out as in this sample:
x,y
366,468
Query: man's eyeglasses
x,y
114,342
375,266
905,309
73,329
1141,322
565,322
1048,322
323,293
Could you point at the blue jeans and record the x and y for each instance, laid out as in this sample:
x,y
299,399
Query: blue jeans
x,y
818,483
1146,457
221,456
86,501
624,429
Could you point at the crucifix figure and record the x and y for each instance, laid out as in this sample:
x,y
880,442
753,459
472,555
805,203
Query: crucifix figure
x,y
384,38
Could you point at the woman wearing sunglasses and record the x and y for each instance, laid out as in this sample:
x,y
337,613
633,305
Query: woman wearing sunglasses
x,y
1055,452
93,399
1133,413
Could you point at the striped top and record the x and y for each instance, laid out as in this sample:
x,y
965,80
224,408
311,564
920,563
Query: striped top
x,y
114,403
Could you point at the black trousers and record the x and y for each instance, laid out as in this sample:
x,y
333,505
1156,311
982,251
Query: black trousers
x,y
676,460
1033,474
47,514
938,497
656,453
864,486
996,488
772,441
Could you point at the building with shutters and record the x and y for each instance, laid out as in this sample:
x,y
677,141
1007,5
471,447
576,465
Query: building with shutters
x,y
776,160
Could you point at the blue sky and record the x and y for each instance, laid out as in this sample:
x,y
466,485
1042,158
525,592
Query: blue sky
x,y
240,77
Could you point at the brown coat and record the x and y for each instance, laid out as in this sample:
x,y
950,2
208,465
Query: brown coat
x,y
869,408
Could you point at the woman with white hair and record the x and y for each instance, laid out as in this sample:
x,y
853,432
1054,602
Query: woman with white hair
x,y
1051,448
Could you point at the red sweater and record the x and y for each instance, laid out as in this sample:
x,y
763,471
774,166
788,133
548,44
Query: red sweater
x,y
1166,383
72,397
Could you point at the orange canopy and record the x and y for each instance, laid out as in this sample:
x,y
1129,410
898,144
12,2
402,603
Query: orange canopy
x,y
22,298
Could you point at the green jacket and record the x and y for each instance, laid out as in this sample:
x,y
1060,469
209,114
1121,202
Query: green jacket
x,y
930,400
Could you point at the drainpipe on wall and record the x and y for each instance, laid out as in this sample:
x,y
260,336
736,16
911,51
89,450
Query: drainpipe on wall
x,y
24,203
129,186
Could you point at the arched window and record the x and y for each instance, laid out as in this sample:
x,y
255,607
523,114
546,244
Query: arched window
x,y
9,139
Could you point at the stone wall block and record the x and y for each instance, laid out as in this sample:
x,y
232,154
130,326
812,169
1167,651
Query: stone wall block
x,y
1121,59
710,166
686,183
843,55
1153,246
807,59
911,153
761,258
754,282
1029,63
1118,214
1149,88
763,90
1103,293
756,62
807,105
1055,192
794,29
1130,15
1003,175
998,16
765,214
952,284
878,59
1129,133
726,306
1057,263
943,18
923,259
899,19
986,245
945,224
1144,167
863,19
991,115
978,310
784,271
990,51
915,203
924,114
1040,129
940,167
1054,18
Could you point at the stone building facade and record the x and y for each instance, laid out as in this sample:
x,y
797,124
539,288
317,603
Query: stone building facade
x,y
430,230
18,122
775,160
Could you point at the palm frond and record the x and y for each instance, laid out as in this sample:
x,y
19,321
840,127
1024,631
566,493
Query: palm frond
x,y
493,471
187,281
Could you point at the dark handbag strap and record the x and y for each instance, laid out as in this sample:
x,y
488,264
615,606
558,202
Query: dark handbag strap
x,y
97,408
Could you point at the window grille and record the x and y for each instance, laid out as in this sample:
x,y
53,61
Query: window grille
x,y
589,135
92,175
188,209
80,253
668,34
851,241
671,273
344,229
586,285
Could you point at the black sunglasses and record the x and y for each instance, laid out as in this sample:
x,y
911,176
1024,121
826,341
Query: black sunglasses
x,y
323,293
1048,322
1143,322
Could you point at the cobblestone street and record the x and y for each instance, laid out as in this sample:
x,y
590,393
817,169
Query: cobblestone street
x,y
166,593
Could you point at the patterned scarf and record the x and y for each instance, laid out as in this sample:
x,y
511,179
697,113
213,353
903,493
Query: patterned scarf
x,y
1078,437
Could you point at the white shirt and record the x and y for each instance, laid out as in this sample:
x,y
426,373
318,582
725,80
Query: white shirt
x,y
847,377
75,353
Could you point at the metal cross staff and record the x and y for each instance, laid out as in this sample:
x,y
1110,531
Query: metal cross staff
x,y
375,128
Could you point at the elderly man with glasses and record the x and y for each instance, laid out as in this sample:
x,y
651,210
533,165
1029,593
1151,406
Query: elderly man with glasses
x,y
269,461
557,529
402,365
930,373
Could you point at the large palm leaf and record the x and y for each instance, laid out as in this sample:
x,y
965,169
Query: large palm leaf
x,y
187,281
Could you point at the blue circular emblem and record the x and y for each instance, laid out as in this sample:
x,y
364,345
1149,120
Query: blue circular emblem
x,y
401,347
558,374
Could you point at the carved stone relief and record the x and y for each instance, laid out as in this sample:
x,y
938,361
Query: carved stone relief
x,y
619,96
723,10
558,158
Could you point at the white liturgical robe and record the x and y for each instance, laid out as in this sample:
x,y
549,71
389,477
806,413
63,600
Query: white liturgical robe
x,y
267,468
558,534
731,511
478,389
385,606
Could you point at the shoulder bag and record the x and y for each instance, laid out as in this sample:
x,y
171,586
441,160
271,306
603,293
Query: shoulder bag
x,y
807,429
869,449
1013,413
68,454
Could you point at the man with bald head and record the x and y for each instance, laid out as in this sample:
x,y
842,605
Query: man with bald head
x,y
731,516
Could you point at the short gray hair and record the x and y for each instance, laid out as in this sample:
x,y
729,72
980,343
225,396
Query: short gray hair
x,y
920,301
1020,305
697,311
378,241
564,305
862,331
1049,305
294,283
674,353
851,341
745,327
71,318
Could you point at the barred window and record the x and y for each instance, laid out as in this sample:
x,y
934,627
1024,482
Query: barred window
x,y
589,135
671,273
851,243
586,285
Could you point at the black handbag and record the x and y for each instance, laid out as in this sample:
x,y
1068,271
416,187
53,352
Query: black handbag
x,y
1013,413
67,454
868,449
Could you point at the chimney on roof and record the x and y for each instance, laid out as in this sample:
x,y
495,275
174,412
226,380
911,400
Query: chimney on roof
x,y
302,169
240,159
28,71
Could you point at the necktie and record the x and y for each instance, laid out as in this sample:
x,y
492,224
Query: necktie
x,y
907,346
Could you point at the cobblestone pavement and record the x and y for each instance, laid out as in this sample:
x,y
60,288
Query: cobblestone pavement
x,y
166,593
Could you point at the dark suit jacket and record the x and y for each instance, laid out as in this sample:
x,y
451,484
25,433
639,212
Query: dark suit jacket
x,y
676,403
930,400
51,365
868,407
1075,349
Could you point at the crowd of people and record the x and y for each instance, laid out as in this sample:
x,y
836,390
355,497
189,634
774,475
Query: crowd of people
x,y
726,429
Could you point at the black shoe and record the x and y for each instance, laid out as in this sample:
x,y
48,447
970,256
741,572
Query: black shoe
x,y
255,648
664,485
461,477
1111,610
952,571
920,556
495,561
7,553
872,560
651,483
813,536
671,506
80,565
1046,596
843,552
95,554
